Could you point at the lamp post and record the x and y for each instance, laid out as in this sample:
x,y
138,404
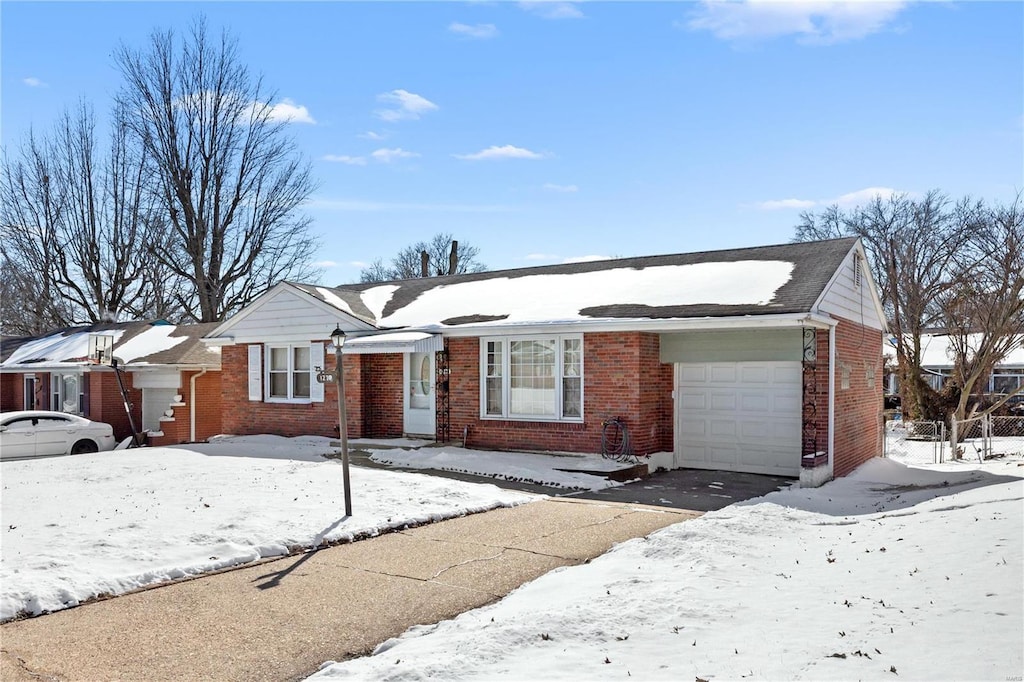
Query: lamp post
x,y
338,339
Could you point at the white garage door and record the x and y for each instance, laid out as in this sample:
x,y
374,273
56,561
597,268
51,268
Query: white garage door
x,y
739,416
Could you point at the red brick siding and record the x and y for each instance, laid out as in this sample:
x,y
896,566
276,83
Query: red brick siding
x,y
107,405
858,425
243,416
208,410
383,395
11,393
622,377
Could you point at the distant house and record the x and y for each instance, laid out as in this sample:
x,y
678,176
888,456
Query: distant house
x,y
937,365
765,360
172,378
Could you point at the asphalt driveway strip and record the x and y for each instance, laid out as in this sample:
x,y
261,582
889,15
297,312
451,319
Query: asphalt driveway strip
x,y
698,490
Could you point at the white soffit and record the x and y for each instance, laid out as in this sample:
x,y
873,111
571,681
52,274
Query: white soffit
x,y
394,342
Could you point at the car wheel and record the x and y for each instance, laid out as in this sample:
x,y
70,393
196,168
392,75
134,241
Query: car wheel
x,y
84,446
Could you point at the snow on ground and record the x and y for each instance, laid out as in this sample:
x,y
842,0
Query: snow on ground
x,y
556,471
78,527
890,573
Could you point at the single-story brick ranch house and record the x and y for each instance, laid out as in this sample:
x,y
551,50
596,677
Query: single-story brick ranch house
x,y
172,378
765,360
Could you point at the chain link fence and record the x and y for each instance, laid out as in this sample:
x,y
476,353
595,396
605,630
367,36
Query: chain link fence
x,y
915,442
987,437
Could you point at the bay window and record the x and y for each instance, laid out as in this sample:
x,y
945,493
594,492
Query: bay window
x,y
532,378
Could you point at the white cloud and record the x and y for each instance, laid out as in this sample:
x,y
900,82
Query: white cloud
x,y
848,200
551,9
405,105
784,204
478,31
344,158
388,155
585,259
287,111
325,264
370,135
494,152
863,196
821,22
564,189
34,82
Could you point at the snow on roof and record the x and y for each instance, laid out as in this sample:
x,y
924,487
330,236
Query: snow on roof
x,y
565,297
150,341
377,298
936,351
335,300
135,343
59,347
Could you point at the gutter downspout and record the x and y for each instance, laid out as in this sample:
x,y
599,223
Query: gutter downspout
x,y
192,405
831,399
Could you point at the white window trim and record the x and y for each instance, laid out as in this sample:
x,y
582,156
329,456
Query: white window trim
x,y
57,389
291,373
506,362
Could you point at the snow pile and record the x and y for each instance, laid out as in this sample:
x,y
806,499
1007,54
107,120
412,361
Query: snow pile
x,y
78,527
892,573
556,471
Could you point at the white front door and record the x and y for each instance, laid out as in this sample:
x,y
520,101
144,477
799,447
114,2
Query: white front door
x,y
420,403
739,416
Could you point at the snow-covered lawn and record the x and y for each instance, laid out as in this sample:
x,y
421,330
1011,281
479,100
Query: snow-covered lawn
x,y
890,573
556,471
78,527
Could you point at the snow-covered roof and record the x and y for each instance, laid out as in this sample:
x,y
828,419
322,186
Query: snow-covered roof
x,y
937,354
136,344
786,278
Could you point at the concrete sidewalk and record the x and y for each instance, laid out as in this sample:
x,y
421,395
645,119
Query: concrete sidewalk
x,y
281,619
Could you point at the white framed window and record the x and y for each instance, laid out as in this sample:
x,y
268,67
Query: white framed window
x,y
67,393
533,378
288,372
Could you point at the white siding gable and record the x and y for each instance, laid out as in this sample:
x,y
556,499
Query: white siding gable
x,y
845,298
285,315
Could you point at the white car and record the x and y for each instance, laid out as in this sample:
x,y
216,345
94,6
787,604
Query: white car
x,y
37,433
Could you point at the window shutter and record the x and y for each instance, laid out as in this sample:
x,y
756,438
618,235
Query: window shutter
x,y
255,373
316,359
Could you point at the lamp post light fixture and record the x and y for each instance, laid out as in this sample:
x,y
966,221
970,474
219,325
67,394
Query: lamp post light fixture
x,y
338,339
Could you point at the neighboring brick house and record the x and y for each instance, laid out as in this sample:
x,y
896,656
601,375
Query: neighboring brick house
x,y
765,360
172,378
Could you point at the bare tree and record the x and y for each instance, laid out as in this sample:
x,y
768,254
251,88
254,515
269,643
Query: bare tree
x,y
984,310
408,263
912,246
229,180
75,226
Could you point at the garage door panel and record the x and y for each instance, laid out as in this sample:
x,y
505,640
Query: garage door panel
x,y
723,427
739,416
693,401
751,374
723,374
694,373
723,401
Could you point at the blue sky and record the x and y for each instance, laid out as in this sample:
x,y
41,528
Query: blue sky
x,y
541,132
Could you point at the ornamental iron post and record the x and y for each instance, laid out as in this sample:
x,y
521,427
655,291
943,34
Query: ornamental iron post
x,y
338,339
